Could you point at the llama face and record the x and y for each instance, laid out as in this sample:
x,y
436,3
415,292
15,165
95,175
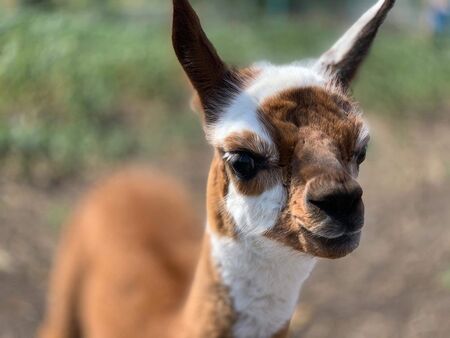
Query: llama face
x,y
290,144
289,141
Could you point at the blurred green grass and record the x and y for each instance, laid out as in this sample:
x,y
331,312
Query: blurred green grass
x,y
81,89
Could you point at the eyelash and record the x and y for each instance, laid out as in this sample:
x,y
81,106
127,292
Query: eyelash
x,y
258,158
361,155
245,164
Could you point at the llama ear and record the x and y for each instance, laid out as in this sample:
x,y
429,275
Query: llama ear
x,y
209,75
345,57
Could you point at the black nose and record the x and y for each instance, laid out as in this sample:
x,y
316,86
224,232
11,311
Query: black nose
x,y
339,200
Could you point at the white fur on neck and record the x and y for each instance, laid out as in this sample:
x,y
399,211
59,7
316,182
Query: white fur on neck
x,y
264,278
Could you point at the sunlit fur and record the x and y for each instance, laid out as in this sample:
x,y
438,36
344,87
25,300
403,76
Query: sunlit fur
x,y
127,257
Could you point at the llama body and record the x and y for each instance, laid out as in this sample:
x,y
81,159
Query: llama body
x,y
281,191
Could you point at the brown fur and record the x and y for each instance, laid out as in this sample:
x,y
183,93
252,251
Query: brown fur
x,y
334,115
218,182
119,250
209,311
319,137
283,332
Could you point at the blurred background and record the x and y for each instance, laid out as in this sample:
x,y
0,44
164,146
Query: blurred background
x,y
87,86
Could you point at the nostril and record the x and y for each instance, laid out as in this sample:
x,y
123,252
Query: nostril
x,y
357,193
333,205
336,201
323,204
353,198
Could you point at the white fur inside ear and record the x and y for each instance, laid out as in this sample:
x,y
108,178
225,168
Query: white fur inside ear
x,y
254,215
264,278
340,49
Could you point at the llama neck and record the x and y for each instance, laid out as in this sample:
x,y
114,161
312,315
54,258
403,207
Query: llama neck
x,y
244,288
264,280
208,309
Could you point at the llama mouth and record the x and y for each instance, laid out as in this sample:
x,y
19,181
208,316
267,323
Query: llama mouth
x,y
331,247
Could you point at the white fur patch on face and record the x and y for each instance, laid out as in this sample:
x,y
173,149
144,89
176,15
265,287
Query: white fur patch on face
x,y
242,114
275,79
264,279
254,215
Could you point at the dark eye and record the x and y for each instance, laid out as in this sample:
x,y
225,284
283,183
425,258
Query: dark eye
x,y
361,156
243,165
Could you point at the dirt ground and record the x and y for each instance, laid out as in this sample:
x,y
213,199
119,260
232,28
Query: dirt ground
x,y
397,284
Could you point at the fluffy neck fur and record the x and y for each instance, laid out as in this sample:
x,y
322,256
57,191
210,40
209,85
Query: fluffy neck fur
x,y
244,289
245,286
264,280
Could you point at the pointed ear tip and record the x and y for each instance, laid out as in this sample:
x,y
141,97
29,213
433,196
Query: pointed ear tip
x,y
178,4
184,13
181,4
389,3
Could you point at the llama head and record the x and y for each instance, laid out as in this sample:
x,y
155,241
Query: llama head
x,y
289,140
